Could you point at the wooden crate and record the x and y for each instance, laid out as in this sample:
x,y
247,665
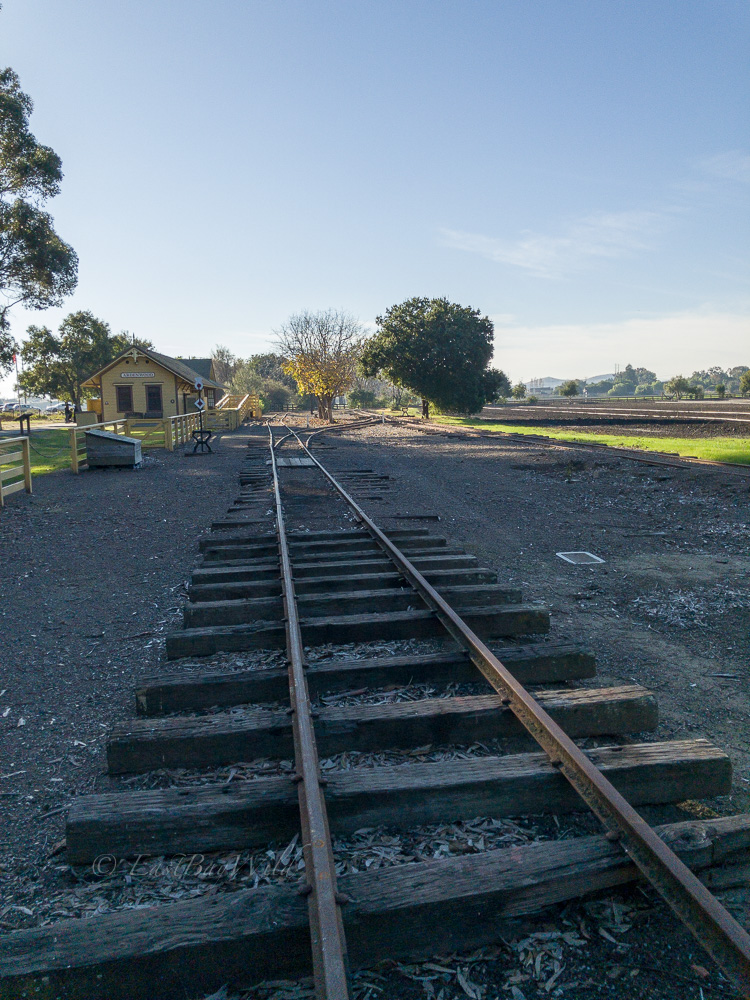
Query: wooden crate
x,y
105,448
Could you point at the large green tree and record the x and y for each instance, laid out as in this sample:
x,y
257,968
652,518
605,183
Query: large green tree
x,y
677,386
57,364
37,268
269,366
439,350
569,388
626,382
225,364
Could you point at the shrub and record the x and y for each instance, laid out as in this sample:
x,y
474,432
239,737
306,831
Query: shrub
x,y
276,395
569,388
361,397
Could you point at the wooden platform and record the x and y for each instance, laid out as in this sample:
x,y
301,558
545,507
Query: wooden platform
x,y
293,463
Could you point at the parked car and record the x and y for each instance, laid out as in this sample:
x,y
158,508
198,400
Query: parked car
x,y
56,408
23,408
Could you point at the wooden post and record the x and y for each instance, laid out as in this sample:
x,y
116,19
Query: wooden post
x,y
26,464
73,450
168,441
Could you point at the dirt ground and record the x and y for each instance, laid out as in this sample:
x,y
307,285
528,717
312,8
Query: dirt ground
x,y
600,423
670,606
93,572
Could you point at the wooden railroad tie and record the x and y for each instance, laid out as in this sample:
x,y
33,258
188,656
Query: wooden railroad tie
x,y
534,663
209,741
247,814
492,622
408,913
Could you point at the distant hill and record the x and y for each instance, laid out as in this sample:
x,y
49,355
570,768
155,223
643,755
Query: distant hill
x,y
598,378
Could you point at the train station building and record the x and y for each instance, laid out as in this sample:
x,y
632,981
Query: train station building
x,y
142,383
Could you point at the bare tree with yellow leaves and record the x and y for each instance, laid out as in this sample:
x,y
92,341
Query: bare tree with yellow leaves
x,y
320,352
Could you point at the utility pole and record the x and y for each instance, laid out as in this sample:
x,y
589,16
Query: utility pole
x,y
18,387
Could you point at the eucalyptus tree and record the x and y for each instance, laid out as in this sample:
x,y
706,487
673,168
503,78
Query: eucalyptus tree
x,y
57,364
37,267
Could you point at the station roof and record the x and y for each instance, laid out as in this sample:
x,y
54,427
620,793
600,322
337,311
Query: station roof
x,y
177,366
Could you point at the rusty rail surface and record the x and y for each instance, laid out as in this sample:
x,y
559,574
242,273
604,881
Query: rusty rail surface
x,y
709,922
328,943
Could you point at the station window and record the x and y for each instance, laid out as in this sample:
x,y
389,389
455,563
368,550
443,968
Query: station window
x,y
124,398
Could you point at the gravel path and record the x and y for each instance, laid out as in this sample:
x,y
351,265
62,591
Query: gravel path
x,y
93,570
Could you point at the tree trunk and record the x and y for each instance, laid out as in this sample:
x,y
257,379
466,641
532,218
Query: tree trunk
x,y
426,409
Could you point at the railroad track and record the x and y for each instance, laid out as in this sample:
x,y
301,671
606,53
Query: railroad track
x,y
298,572
648,412
646,457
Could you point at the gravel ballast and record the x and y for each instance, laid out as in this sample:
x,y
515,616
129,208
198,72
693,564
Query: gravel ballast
x,y
107,555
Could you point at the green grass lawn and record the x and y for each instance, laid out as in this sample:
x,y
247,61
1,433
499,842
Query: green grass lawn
x,y
714,449
50,447
50,450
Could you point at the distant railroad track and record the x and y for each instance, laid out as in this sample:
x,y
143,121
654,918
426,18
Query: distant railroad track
x,y
572,410
260,585
632,454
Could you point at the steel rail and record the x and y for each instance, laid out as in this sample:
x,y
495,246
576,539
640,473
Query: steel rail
x,y
709,922
328,942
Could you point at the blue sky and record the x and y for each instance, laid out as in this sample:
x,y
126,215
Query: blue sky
x,y
577,169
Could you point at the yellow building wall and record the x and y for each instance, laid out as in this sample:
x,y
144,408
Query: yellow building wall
x,y
139,374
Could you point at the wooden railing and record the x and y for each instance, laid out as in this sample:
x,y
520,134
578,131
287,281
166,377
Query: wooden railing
x,y
15,467
247,405
167,432
178,430
220,419
250,406
228,402
231,411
